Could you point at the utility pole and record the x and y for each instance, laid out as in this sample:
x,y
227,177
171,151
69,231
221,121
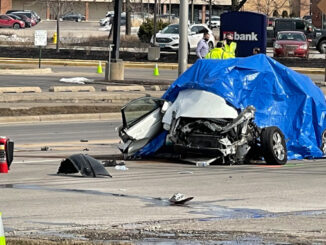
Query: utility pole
x,y
155,12
170,11
116,29
58,27
192,11
183,36
128,18
210,14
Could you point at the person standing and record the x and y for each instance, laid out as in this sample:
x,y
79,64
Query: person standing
x,y
202,46
230,46
218,52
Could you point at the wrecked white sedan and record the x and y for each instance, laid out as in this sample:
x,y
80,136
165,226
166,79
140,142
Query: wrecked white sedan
x,y
209,128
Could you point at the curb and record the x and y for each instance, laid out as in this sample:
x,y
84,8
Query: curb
x,y
25,71
61,117
127,64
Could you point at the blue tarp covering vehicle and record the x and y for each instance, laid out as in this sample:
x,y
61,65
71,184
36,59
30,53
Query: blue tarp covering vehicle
x,y
281,96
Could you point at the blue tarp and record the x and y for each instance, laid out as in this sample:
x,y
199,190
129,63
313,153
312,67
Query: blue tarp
x,y
281,96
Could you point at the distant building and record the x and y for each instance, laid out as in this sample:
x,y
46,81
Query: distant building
x,y
95,9
279,8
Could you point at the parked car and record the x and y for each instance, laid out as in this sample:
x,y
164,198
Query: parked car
x,y
215,21
29,13
291,43
271,21
26,20
7,21
168,38
73,17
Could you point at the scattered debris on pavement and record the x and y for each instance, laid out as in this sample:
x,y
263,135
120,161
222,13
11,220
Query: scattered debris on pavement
x,y
121,166
76,80
109,163
84,164
45,148
84,140
178,199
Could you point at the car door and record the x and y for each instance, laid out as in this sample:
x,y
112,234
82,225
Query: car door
x,y
200,30
5,21
142,121
193,37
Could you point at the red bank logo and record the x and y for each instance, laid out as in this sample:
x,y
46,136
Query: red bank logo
x,y
241,37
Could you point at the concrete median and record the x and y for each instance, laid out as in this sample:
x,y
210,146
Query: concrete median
x,y
72,89
20,90
124,88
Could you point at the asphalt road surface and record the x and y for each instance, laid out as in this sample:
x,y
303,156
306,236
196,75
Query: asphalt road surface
x,y
46,81
60,132
247,204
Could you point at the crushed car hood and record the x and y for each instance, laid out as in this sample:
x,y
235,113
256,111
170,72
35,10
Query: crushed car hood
x,y
281,96
194,103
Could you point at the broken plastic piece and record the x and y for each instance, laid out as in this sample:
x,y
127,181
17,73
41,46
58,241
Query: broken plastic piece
x,y
84,164
44,148
179,198
109,163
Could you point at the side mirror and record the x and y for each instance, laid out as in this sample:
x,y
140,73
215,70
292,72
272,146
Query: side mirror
x,y
193,33
159,31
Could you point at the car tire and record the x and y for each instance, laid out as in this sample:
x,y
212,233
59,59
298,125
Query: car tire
x,y
273,146
323,142
16,26
78,20
322,47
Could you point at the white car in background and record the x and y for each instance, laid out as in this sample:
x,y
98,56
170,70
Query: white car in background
x,y
168,38
215,21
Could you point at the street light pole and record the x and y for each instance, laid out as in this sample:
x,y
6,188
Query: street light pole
x,y
210,14
183,36
155,12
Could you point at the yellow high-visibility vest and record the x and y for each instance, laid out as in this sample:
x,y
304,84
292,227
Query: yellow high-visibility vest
x,y
230,49
217,53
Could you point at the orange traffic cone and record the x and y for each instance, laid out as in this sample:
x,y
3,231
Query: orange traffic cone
x,y
3,159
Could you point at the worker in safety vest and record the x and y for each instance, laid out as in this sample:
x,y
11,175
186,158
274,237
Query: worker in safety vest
x,y
230,46
218,52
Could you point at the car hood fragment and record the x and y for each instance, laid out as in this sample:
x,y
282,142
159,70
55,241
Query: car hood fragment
x,y
84,164
281,96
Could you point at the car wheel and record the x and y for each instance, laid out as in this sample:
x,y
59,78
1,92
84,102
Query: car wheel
x,y
210,45
78,20
322,47
323,142
273,146
16,26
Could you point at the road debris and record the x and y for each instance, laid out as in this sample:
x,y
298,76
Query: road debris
x,y
84,140
121,166
109,163
84,164
179,199
76,80
45,148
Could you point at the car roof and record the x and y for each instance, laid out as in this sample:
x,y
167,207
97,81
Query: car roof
x,y
291,32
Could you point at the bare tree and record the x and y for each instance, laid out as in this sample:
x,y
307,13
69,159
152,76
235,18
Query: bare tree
x,y
269,7
57,9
